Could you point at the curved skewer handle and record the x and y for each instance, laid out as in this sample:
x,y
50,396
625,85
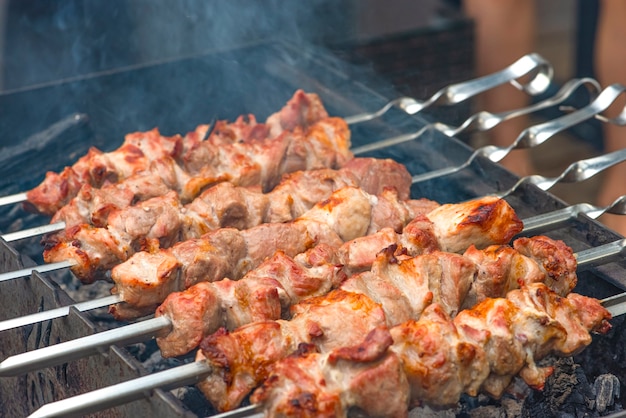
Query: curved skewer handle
x,y
540,70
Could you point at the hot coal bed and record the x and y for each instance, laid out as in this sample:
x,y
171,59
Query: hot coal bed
x,y
49,127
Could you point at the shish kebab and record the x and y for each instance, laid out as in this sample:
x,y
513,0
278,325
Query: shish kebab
x,y
162,221
435,359
268,292
246,152
197,371
74,177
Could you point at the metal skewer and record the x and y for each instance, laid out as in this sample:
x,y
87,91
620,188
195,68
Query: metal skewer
x,y
14,198
48,315
92,344
483,121
43,268
125,392
575,172
32,232
538,134
82,347
191,373
460,92
560,216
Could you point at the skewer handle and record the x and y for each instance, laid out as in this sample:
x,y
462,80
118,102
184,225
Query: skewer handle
x,y
125,392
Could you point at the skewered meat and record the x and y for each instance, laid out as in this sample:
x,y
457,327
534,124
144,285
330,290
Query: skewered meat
x,y
97,168
248,246
296,192
146,278
259,163
163,221
500,267
285,281
263,293
141,148
403,287
242,359
480,350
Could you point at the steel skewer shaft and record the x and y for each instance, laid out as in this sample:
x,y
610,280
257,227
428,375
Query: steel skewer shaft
x,y
125,392
602,254
43,268
31,232
82,347
14,198
58,312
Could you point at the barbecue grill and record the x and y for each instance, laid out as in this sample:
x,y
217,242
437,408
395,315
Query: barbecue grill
x,y
49,127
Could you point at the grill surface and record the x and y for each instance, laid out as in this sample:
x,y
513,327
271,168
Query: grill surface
x,y
176,96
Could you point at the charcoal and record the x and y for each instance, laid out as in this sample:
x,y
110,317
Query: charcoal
x,y
606,387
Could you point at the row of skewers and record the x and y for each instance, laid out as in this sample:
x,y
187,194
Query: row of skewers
x,y
384,254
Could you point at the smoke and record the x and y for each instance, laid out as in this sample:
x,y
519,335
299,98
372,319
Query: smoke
x,y
46,40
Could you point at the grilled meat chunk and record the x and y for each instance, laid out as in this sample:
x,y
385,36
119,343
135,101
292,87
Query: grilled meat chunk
x,y
97,168
480,350
141,149
265,293
365,376
244,358
162,221
456,225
